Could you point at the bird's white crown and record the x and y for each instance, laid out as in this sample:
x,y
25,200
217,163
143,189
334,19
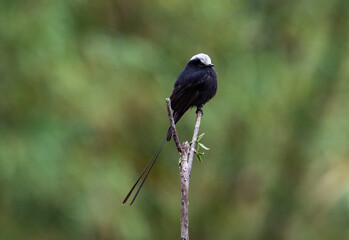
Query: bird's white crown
x,y
205,59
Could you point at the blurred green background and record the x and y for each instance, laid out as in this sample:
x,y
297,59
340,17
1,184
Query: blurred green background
x,y
83,86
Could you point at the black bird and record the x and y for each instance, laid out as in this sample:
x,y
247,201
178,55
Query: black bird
x,y
195,86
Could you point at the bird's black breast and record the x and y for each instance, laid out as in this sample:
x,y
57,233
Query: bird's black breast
x,y
208,86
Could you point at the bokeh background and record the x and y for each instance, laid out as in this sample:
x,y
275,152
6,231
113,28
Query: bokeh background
x,y
82,109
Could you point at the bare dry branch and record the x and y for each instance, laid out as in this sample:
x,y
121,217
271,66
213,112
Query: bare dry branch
x,y
184,167
173,126
184,172
193,141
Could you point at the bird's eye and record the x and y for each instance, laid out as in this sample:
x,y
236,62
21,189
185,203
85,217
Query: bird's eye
x,y
197,61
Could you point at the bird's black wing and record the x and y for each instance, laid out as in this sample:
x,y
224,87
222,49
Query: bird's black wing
x,y
186,92
182,98
181,101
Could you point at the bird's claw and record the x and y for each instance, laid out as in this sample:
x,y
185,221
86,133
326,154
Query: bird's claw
x,y
199,109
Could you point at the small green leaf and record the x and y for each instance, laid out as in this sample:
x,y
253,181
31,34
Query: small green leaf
x,y
200,137
199,157
200,153
203,146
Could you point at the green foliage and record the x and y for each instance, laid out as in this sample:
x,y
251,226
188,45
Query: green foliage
x,y
198,153
82,109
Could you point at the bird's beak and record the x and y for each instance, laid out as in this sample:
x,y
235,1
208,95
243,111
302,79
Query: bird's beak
x,y
211,65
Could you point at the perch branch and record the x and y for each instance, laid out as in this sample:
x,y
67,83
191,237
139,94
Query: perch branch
x,y
193,141
184,167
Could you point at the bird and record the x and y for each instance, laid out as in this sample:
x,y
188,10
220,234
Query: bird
x,y
194,87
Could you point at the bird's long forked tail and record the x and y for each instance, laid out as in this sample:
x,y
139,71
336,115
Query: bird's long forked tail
x,y
146,169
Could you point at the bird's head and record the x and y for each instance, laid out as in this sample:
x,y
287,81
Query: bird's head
x,y
200,60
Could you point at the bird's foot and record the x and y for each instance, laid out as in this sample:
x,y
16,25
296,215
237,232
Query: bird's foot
x,y
199,109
